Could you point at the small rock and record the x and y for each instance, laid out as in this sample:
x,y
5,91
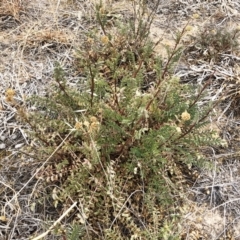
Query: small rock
x,y
19,145
13,136
2,145
2,138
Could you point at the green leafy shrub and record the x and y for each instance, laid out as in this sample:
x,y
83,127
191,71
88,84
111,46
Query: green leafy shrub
x,y
123,144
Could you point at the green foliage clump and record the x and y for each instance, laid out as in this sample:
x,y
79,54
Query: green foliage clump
x,y
123,144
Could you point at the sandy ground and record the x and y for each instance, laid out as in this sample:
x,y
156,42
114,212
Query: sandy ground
x,y
35,34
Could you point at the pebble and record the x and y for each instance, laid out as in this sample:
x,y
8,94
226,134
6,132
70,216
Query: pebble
x,y
2,145
13,136
19,145
2,138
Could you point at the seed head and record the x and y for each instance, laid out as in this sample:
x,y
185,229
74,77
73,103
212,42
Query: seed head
x,y
185,116
195,15
105,39
78,125
188,28
10,93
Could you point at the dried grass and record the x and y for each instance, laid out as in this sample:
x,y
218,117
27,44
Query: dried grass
x,y
35,34
12,7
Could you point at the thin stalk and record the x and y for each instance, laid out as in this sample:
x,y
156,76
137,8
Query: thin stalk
x,y
163,76
92,84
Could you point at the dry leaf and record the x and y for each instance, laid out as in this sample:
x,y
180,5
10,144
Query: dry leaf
x,y
3,219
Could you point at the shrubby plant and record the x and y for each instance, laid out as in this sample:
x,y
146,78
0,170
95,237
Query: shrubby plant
x,y
210,44
126,140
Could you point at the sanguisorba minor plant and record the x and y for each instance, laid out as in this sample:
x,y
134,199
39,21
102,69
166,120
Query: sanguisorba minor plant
x,y
123,141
